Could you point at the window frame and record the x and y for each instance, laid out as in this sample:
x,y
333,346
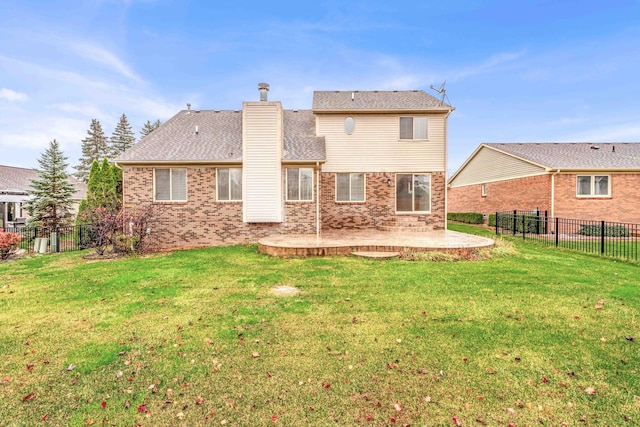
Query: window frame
x,y
592,182
229,200
413,192
299,186
483,190
413,127
171,199
364,187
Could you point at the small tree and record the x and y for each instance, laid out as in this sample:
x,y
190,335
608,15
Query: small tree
x,y
50,204
122,139
94,147
99,211
149,127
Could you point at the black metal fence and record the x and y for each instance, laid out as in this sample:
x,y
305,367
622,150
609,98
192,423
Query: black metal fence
x,y
60,239
616,239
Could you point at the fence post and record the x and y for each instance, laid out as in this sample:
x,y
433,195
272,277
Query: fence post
x,y
497,222
557,231
546,222
601,237
524,226
514,225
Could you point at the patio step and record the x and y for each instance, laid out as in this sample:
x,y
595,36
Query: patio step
x,y
404,224
375,254
403,229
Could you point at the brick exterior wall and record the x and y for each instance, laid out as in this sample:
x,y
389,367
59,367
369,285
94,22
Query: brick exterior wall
x,y
522,193
201,220
622,206
380,203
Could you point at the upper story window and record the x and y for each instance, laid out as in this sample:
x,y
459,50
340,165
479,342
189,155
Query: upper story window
x,y
350,187
229,184
349,125
170,184
593,186
413,128
299,184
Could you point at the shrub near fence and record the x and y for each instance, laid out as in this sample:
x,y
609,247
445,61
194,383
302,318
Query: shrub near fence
x,y
598,237
466,217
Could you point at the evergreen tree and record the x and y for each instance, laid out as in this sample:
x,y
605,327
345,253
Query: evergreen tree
x,y
50,204
122,138
149,127
94,147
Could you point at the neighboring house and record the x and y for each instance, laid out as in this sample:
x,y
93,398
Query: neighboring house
x,y
15,184
355,160
599,181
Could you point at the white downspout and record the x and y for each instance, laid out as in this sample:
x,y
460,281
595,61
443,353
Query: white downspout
x,y
318,203
553,193
446,165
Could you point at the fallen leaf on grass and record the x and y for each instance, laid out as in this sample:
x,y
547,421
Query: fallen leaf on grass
x,y
274,419
142,408
44,418
630,338
199,400
71,367
255,355
397,406
456,421
103,404
28,397
89,422
590,390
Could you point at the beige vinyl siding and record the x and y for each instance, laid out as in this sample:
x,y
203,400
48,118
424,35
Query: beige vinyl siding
x,y
375,145
261,162
489,165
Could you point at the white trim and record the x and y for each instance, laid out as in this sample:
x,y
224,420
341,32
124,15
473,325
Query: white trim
x,y
413,117
592,187
230,200
483,189
286,186
395,194
364,175
171,199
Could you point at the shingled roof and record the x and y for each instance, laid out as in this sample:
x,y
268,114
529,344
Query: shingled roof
x,y
402,100
15,181
219,139
576,155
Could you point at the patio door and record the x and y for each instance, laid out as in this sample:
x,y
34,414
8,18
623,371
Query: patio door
x,y
413,192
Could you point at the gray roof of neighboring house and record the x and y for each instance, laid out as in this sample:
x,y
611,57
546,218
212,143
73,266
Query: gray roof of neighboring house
x,y
15,180
219,138
407,100
576,155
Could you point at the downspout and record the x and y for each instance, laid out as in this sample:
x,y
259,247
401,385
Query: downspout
x,y
318,203
446,164
553,193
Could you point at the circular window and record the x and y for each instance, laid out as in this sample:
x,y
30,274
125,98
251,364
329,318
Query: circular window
x,y
349,125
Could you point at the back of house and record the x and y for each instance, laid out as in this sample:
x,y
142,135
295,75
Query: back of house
x,y
356,159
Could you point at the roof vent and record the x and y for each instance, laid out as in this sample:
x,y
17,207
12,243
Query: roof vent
x,y
593,147
196,129
353,95
263,88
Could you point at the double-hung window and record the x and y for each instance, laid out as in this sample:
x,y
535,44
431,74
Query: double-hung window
x,y
299,184
170,185
593,186
413,128
350,187
229,184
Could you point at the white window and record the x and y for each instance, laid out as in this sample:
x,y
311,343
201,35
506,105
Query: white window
x,y
483,190
299,184
170,184
229,183
413,128
350,187
593,186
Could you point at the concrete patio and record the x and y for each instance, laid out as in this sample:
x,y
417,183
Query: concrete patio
x,y
351,242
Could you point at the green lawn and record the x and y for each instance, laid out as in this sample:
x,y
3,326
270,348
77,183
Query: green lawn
x,y
540,337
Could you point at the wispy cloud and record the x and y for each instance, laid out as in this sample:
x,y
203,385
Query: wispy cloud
x,y
497,61
102,56
13,96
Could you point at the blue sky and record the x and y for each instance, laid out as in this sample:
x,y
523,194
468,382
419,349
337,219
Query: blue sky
x,y
516,71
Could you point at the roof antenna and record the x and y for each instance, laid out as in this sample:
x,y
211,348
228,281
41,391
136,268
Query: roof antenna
x,y
442,91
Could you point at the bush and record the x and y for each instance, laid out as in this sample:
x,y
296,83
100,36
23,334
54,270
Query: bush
x,y
531,224
466,217
609,230
9,243
492,220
